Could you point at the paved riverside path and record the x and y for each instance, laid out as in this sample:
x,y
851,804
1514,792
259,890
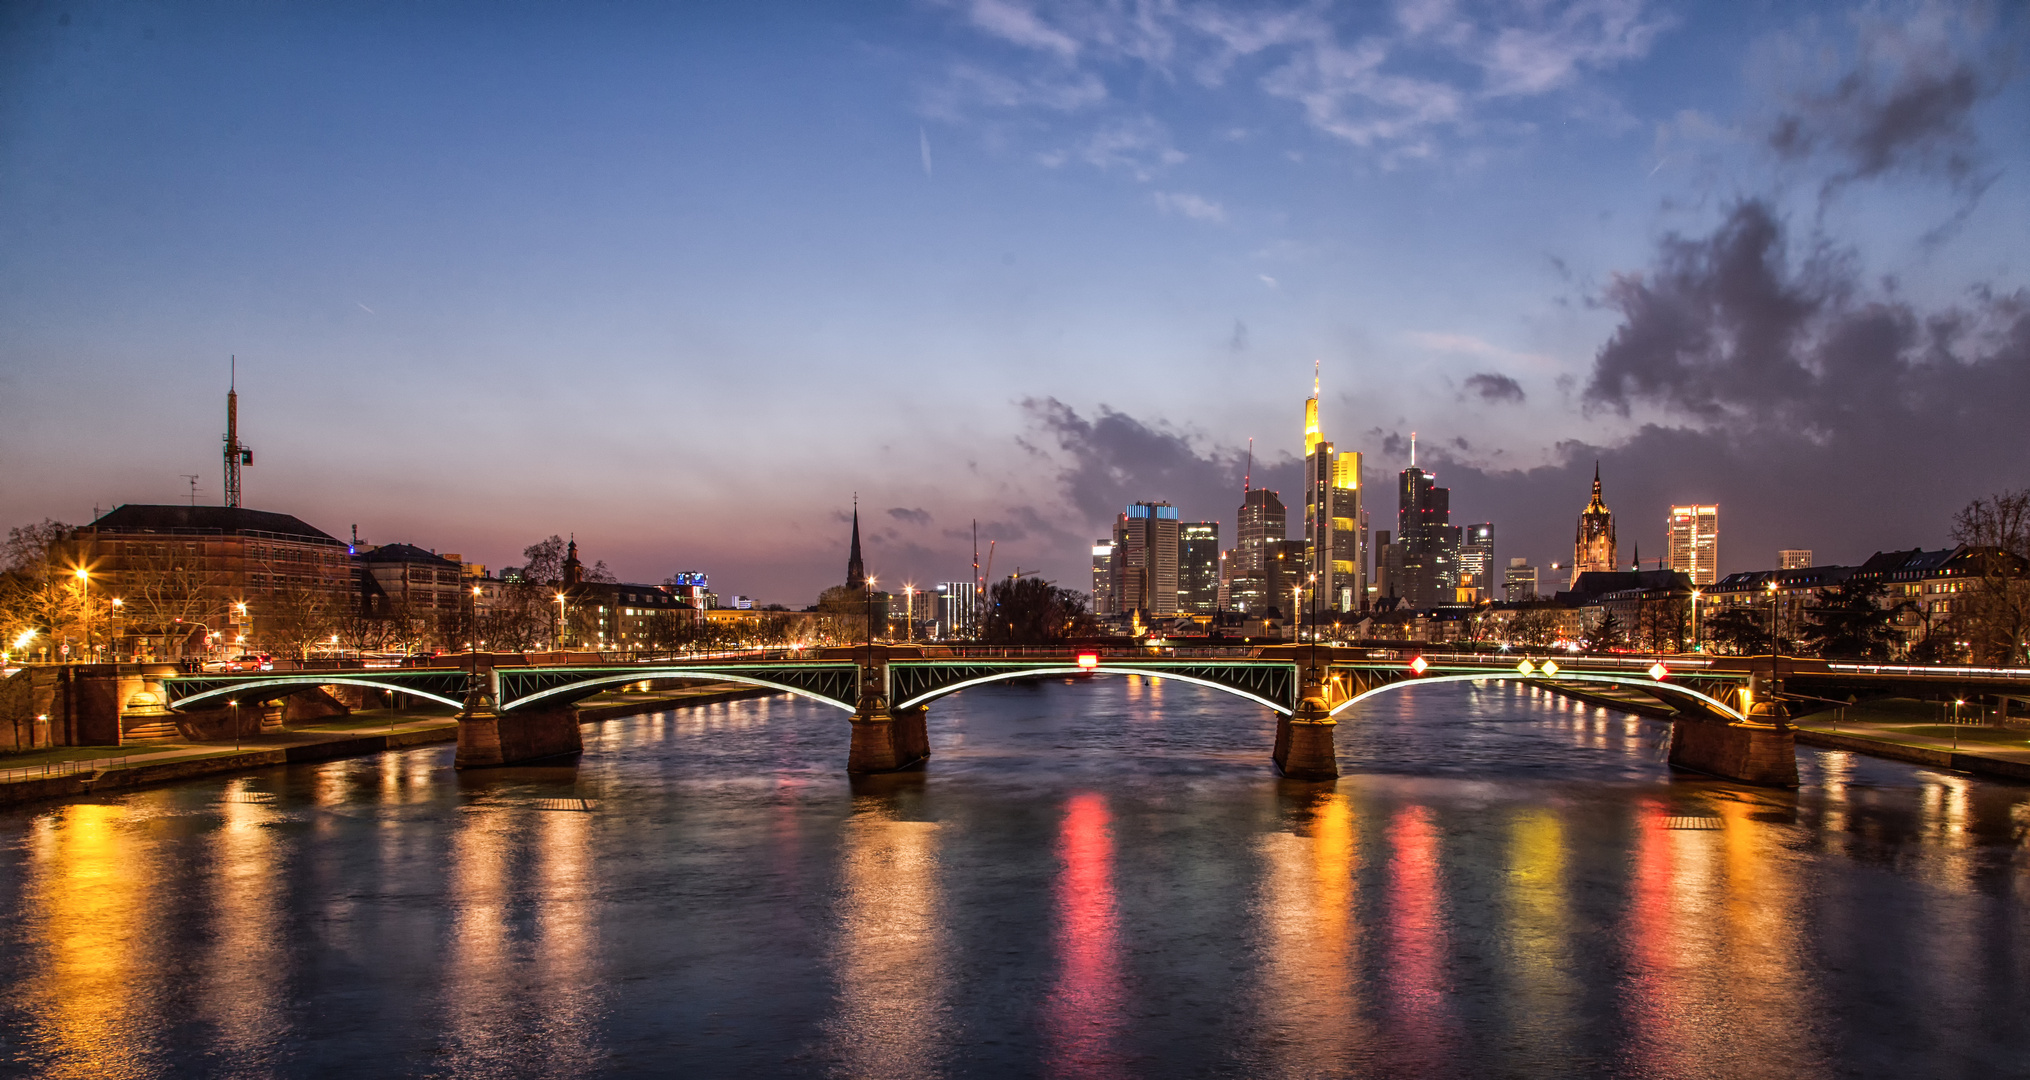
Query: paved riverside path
x,y
1976,748
75,770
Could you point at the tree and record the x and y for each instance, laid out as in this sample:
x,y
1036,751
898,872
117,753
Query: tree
x,y
35,595
1605,634
1536,627
1032,611
1851,622
1994,614
1741,630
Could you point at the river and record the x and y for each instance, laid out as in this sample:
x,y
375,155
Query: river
x,y
1097,877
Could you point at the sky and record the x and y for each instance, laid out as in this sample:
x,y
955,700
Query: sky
x,y
682,280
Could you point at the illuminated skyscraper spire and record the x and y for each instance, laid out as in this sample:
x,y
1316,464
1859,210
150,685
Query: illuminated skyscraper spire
x,y
856,571
1312,436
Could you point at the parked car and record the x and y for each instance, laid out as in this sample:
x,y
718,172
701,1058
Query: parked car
x,y
251,662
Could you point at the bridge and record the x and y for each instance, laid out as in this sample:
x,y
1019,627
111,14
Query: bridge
x,y
1727,712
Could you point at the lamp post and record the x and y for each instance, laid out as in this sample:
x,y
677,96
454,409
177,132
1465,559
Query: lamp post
x,y
1695,620
909,610
1775,674
1314,620
557,624
870,620
85,605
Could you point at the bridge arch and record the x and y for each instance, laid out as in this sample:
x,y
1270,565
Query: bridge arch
x,y
1105,669
1653,685
593,685
297,686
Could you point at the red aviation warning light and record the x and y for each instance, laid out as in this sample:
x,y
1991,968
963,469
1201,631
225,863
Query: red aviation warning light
x,y
1418,665
1088,661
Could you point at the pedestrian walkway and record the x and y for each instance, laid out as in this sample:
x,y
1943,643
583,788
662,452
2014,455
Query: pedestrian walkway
x,y
1978,748
70,760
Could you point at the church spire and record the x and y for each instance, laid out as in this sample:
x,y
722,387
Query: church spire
x,y
856,571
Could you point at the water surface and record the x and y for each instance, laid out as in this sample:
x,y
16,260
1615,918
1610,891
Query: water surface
x,y
1092,878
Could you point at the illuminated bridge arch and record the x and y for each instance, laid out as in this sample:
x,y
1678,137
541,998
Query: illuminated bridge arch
x,y
267,689
1270,684
831,684
1653,686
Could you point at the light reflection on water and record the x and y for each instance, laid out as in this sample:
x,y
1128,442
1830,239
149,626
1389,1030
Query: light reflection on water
x,y
1091,880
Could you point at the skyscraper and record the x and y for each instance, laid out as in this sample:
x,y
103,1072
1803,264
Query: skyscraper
x,y
1476,564
1145,559
1794,558
1519,581
1198,567
1594,548
1103,577
1695,543
1335,565
1425,570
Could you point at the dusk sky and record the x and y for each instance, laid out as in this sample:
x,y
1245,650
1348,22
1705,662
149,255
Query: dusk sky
x,y
680,279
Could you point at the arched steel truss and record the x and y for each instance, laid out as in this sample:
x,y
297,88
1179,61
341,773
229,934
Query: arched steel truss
x,y
1648,685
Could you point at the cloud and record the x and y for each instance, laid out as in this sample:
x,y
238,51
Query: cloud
x,y
923,144
1113,459
1020,25
1195,207
1494,387
1269,281
1468,344
1905,103
917,516
1394,89
1139,146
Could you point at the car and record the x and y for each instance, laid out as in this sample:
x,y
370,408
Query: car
x,y
251,662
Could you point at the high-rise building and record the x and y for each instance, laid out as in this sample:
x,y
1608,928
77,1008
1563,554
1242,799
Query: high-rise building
x,y
1283,573
1335,565
1476,564
1103,577
1794,558
958,606
1695,543
1425,568
1198,567
1263,520
1593,550
1519,581
1388,565
1145,559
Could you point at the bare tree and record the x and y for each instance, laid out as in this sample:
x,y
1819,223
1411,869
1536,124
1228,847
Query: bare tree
x,y
1995,612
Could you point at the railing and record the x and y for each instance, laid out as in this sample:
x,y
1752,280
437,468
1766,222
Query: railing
x,y
1936,671
49,769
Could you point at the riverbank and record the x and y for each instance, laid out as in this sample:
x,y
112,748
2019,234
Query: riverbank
x,y
70,771
1901,730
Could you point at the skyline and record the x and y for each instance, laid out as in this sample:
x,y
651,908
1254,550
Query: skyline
x,y
1021,264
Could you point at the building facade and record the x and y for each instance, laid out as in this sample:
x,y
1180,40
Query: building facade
x,y
1519,582
1794,558
196,581
1476,564
1424,572
1145,559
958,610
1198,567
1103,577
1594,550
1263,521
1695,543
1335,559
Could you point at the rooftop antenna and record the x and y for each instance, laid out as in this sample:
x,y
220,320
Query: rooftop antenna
x,y
1413,449
192,477
1248,473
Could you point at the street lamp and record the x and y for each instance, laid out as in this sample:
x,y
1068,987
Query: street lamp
x,y
909,612
557,623
1297,613
1775,676
870,620
1695,620
85,604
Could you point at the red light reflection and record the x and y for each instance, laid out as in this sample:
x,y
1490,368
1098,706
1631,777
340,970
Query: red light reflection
x,y
1085,1007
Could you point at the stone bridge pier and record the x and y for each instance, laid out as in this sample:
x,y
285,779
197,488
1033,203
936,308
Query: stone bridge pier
x,y
885,738
1304,739
488,737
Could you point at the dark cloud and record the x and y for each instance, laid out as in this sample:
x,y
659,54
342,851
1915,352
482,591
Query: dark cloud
x,y
1817,411
1906,104
1494,387
917,516
1116,459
